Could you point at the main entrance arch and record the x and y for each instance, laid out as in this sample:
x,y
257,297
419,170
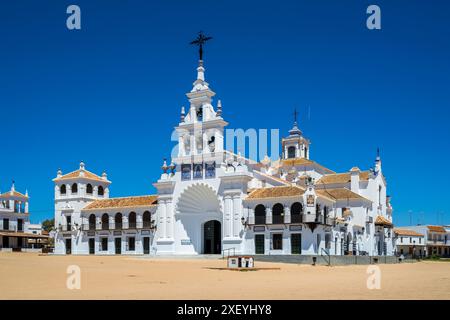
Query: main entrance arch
x,y
212,237
198,216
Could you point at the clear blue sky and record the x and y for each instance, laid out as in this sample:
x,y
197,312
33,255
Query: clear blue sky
x,y
110,94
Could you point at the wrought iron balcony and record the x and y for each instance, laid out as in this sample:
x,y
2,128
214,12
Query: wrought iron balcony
x,y
65,228
118,226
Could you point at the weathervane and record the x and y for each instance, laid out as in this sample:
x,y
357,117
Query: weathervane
x,y
200,41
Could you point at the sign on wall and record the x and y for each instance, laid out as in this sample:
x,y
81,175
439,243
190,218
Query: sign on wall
x,y
310,200
186,242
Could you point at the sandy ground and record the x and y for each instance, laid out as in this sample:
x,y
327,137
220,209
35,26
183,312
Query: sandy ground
x,y
31,276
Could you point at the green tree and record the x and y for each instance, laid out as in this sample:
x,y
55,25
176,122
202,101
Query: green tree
x,y
48,225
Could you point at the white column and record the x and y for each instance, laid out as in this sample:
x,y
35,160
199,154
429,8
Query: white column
x,y
219,140
251,215
193,144
170,219
162,219
287,214
269,215
237,215
181,150
228,221
205,143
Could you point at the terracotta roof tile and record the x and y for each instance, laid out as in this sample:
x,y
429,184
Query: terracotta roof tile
x,y
275,192
302,162
141,201
438,229
382,221
407,232
340,194
14,194
76,174
341,178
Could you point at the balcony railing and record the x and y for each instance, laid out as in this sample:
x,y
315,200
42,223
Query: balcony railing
x,y
11,228
65,228
118,226
304,218
440,242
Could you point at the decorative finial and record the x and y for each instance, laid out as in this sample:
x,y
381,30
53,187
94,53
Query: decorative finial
x,y
200,41
219,108
82,166
172,167
295,131
26,192
183,114
164,166
13,187
59,173
104,175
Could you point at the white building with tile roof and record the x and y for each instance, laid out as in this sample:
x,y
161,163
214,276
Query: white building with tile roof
x,y
15,221
211,201
436,240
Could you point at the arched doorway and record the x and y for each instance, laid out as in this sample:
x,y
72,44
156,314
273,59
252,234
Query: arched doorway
x,y
197,209
212,237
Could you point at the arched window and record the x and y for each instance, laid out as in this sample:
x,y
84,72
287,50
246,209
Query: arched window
x,y
146,218
92,222
118,221
105,221
296,212
325,213
100,191
278,214
89,189
306,153
291,152
260,214
74,188
132,220
63,190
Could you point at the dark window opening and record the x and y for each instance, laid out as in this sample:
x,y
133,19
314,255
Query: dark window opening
x,y
278,214
277,241
291,152
296,212
260,214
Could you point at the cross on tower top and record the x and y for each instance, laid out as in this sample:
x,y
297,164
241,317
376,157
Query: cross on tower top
x,y
200,41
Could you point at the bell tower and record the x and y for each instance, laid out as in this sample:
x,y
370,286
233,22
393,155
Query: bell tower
x,y
201,129
295,145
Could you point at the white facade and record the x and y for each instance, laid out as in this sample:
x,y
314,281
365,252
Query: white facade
x,y
15,220
436,239
209,200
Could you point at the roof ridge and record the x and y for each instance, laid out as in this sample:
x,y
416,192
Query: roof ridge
x,y
127,197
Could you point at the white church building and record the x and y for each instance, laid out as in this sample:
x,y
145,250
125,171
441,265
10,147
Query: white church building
x,y
209,200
